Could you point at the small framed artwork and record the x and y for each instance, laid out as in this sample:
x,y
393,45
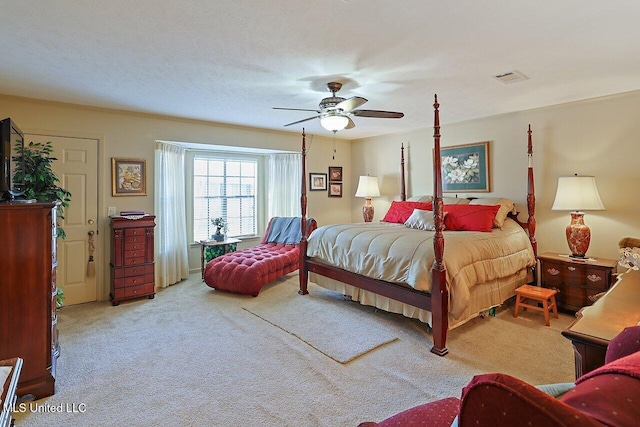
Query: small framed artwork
x,y
335,173
335,189
465,168
128,177
317,181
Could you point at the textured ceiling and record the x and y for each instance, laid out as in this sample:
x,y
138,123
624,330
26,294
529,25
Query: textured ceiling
x,y
231,61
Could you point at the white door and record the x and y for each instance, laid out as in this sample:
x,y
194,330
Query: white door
x,y
77,168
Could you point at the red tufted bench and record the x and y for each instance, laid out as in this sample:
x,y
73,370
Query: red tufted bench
x,y
248,270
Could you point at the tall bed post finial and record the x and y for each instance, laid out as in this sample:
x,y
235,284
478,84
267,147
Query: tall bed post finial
x,y
439,292
303,273
403,192
531,196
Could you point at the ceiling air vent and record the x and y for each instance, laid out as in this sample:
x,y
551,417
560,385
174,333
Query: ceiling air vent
x,y
511,77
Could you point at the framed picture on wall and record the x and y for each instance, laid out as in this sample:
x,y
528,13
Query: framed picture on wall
x,y
128,177
335,189
335,173
465,168
317,181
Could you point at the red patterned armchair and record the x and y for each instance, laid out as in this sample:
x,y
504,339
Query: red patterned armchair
x,y
248,270
609,395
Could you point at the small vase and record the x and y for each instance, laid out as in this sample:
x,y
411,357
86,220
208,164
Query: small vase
x,y
218,237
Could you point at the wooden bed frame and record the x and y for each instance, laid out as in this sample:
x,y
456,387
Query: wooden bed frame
x,y
437,301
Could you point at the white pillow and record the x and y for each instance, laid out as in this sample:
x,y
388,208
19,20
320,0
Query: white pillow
x,y
422,220
506,206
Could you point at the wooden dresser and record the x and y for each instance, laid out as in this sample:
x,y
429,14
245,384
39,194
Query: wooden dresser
x,y
132,262
28,317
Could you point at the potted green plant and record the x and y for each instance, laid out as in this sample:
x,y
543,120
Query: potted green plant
x,y
41,183
221,227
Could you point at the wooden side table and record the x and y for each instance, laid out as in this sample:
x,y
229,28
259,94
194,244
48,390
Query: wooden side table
x,y
596,325
576,280
210,249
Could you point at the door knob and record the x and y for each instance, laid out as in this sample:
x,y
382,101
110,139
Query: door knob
x,y
91,222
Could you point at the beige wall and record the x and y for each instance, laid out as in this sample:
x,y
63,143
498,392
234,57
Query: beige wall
x,y
132,135
600,137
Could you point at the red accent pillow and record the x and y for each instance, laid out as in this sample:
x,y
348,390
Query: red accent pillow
x,y
399,212
470,217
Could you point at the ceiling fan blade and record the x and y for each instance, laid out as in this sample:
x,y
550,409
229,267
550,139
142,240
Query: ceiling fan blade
x,y
351,124
378,113
351,103
294,109
303,120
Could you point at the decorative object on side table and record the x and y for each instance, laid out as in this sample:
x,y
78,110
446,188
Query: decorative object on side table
x,y
577,194
630,258
368,188
221,227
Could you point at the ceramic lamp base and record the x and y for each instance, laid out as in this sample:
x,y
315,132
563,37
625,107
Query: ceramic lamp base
x,y
367,211
578,235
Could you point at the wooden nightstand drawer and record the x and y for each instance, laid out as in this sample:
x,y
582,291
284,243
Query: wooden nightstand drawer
x,y
598,278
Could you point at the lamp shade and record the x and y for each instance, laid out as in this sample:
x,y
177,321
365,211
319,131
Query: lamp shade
x,y
577,193
334,122
368,187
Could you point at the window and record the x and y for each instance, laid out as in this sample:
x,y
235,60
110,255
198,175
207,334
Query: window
x,y
224,187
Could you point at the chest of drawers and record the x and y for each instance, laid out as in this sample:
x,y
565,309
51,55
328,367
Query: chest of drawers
x,y
132,261
575,280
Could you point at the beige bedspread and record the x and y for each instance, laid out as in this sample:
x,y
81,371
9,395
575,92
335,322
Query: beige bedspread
x,y
398,254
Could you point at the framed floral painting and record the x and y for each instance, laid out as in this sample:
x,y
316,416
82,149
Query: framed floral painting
x,y
465,168
128,177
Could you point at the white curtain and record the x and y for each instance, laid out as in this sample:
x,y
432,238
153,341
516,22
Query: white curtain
x,y
284,185
172,262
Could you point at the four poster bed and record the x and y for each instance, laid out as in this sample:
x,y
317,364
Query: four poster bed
x,y
403,269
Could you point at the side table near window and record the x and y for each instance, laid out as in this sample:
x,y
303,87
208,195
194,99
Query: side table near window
x,y
210,249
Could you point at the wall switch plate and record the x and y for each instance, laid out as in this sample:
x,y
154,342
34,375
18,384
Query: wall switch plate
x,y
112,211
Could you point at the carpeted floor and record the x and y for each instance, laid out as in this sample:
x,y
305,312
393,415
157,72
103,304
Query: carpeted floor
x,y
194,357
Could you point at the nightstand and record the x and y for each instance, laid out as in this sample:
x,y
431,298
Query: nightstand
x,y
575,280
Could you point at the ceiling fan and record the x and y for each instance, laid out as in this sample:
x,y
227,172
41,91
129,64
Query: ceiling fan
x,y
335,112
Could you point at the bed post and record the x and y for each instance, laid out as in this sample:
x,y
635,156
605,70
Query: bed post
x,y
303,272
439,293
403,193
531,198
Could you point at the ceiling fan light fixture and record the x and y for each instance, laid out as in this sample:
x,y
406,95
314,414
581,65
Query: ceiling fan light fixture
x,y
334,122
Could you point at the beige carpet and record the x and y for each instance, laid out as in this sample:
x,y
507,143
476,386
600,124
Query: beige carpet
x,y
194,357
323,321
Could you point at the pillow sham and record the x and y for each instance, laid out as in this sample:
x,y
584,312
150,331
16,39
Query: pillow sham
x,y
422,220
420,199
470,217
399,211
506,206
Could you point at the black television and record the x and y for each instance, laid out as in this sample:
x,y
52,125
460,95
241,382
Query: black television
x,y
11,145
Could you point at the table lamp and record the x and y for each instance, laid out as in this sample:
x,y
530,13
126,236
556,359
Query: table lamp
x,y
368,188
577,194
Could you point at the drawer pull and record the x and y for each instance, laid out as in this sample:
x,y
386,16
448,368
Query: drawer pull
x,y
571,268
594,277
553,271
